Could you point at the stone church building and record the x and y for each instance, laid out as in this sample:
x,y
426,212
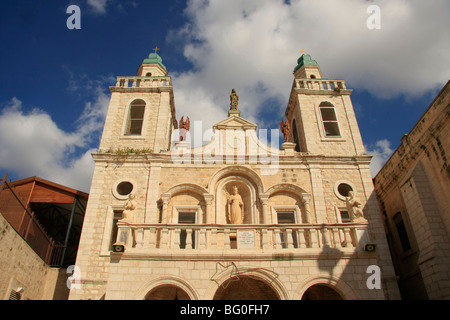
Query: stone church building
x,y
234,218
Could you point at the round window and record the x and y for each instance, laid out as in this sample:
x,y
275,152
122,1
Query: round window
x,y
344,189
124,188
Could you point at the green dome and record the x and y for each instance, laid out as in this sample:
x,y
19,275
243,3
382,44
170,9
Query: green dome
x,y
305,59
154,58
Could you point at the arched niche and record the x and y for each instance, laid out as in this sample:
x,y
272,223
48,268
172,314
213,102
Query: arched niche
x,y
286,201
186,201
248,193
184,197
290,197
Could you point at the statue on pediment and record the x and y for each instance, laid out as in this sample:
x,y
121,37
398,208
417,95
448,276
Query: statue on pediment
x,y
234,100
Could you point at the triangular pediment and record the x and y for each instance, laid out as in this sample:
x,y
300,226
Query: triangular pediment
x,y
235,123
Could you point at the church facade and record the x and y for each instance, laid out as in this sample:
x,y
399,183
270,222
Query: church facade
x,y
235,218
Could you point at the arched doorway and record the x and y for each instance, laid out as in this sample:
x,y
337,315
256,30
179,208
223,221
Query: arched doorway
x,y
167,292
246,288
321,292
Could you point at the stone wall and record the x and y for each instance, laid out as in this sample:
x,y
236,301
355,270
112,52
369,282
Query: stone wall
x,y
414,184
21,267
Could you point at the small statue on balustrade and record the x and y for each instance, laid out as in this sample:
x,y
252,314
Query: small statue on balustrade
x,y
354,208
129,207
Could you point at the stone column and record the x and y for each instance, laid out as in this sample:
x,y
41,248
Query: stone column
x,y
264,198
306,198
165,202
208,201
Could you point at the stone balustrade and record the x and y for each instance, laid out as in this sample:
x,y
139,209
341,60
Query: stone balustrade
x,y
143,82
320,84
235,237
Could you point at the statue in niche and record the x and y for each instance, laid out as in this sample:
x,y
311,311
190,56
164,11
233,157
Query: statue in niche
x,y
234,100
128,214
354,208
235,207
286,129
184,127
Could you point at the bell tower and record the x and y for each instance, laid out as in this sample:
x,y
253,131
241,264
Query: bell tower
x,y
141,113
321,114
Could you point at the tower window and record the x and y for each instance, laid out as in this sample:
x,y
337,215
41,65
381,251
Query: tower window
x,y
329,120
135,118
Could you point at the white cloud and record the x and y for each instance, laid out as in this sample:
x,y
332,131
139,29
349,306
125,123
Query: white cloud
x,y
31,143
253,46
99,6
381,152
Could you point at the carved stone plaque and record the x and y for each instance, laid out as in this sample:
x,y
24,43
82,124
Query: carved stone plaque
x,y
246,239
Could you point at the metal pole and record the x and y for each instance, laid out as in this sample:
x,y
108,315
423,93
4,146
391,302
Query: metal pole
x,y
68,230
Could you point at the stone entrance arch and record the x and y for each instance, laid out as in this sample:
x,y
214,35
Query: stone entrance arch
x,y
321,292
324,287
167,292
166,288
246,288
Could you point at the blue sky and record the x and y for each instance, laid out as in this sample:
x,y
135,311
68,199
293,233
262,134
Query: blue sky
x,y
54,81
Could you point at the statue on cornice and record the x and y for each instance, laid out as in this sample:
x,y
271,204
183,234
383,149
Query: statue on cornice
x,y
234,100
286,129
184,127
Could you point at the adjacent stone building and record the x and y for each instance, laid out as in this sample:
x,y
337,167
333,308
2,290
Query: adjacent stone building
x,y
234,218
413,189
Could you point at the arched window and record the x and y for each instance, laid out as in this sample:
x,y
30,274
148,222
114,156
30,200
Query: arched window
x,y
135,118
329,120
